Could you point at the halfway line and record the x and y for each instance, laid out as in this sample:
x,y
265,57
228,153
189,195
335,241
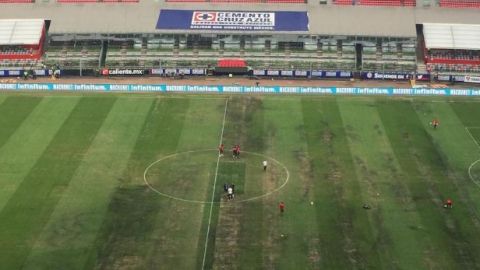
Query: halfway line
x,y
213,188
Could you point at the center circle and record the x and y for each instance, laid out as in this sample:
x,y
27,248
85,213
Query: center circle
x,y
189,176
474,172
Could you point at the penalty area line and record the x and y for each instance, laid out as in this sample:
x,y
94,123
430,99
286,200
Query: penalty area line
x,y
471,136
213,189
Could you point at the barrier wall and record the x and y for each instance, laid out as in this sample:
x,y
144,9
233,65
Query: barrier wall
x,y
19,73
237,89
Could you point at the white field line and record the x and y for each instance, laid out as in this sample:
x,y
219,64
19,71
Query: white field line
x,y
476,161
229,204
471,136
213,189
470,173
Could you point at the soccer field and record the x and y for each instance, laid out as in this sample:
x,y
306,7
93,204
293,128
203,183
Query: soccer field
x,y
105,181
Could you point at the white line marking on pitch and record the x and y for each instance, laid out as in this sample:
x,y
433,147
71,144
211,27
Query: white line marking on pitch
x,y
213,188
475,162
287,178
470,173
471,136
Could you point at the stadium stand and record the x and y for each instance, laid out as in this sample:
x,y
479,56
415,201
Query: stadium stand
x,y
21,42
460,3
353,37
73,54
97,1
452,47
242,1
395,3
16,1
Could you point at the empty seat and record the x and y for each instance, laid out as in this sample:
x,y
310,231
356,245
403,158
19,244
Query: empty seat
x,y
16,1
460,3
395,3
97,1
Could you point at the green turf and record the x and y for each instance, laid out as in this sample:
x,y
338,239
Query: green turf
x,y
73,196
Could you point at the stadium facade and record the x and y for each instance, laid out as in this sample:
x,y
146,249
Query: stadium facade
x,y
310,36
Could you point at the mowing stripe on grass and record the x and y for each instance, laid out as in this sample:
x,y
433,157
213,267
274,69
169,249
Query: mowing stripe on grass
x,y
345,236
2,98
430,183
237,224
72,228
285,140
458,150
213,188
27,211
189,221
131,231
21,151
399,233
13,111
251,134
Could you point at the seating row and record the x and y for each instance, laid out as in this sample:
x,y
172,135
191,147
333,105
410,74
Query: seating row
x,y
396,3
72,1
460,3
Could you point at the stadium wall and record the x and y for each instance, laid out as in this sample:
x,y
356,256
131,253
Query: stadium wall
x,y
238,89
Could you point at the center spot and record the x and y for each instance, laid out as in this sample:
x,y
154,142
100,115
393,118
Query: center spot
x,y
189,176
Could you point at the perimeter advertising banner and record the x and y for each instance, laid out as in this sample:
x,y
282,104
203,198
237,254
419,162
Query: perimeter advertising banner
x,y
472,79
174,19
386,91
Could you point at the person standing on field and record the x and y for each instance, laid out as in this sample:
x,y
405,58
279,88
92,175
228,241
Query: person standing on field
x,y
448,203
281,207
264,165
221,148
236,151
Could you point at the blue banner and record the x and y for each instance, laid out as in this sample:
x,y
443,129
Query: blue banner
x,y
386,91
174,19
20,73
385,76
330,74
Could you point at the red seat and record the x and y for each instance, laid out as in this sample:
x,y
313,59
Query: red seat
x,y
187,1
395,3
242,1
236,1
97,1
231,63
288,1
16,1
460,3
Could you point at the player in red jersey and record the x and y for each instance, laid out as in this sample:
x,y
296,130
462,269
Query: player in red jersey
x,y
448,203
221,148
281,207
238,150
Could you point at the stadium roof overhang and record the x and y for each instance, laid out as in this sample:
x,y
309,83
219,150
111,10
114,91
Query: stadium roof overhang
x,y
142,17
21,31
452,36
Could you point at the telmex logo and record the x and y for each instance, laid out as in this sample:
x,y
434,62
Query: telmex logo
x,y
204,16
